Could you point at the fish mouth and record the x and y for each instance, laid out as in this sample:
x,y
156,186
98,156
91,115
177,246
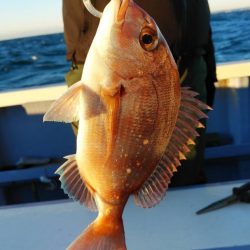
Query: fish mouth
x,y
122,10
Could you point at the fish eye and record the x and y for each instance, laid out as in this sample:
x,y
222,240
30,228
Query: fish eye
x,y
148,39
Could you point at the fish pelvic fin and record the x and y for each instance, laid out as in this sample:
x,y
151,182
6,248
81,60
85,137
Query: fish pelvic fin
x,y
105,233
183,137
66,108
113,106
73,185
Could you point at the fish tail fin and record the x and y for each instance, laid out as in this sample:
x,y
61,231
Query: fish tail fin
x,y
105,233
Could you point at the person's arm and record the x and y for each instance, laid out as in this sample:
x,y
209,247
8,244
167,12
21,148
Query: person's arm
x,y
211,70
74,26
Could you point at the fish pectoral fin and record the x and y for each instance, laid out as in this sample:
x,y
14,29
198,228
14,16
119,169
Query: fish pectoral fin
x,y
66,108
183,135
73,184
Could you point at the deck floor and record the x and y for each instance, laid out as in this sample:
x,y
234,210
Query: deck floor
x,y
171,225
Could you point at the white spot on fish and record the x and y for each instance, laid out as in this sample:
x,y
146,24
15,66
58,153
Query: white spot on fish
x,y
145,142
129,170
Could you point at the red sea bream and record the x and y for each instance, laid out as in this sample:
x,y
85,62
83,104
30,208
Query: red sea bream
x,y
135,122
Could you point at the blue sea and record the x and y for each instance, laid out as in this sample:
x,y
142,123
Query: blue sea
x,y
40,60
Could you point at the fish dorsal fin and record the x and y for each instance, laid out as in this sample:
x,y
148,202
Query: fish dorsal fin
x,y
73,185
66,108
184,133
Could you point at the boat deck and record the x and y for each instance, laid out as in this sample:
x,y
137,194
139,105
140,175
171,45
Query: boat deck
x,y
171,225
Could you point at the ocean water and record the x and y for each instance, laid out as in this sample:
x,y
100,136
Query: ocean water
x,y
40,60
32,61
231,35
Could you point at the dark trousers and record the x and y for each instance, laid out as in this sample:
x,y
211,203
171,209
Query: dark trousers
x,y
192,171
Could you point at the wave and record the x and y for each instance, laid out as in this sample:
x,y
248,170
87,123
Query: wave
x,y
40,60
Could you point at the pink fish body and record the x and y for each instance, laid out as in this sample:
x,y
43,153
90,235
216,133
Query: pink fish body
x,y
135,122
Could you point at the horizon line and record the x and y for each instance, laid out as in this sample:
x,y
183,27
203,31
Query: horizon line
x,y
57,30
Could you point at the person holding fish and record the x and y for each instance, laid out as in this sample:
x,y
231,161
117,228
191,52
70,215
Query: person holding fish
x,y
185,24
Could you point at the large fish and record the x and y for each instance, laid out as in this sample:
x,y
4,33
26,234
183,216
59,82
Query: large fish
x,y
135,122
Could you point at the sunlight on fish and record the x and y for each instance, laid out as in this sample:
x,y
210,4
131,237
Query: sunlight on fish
x,y
135,123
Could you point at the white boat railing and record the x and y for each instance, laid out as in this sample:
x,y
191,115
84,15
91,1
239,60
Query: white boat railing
x,y
233,75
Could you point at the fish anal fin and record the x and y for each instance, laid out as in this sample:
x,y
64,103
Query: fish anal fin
x,y
73,184
183,135
154,189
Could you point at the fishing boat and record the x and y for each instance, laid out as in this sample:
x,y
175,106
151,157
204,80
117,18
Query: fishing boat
x,y
31,151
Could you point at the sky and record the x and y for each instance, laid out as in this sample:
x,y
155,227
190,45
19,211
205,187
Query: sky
x,y
33,17
21,18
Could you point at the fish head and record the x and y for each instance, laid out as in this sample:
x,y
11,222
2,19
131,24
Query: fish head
x,y
129,44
